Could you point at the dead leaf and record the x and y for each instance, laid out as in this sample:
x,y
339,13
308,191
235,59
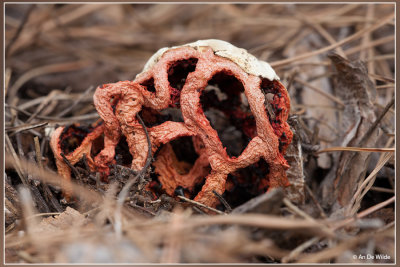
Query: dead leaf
x,y
357,92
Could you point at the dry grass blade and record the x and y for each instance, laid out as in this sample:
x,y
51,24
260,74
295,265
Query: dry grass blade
x,y
53,68
298,250
356,149
89,116
19,30
201,205
76,102
51,178
375,43
25,127
333,252
355,36
364,187
364,213
15,160
382,78
331,97
262,221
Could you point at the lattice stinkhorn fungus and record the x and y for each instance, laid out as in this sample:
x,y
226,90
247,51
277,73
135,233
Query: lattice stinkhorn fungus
x,y
203,81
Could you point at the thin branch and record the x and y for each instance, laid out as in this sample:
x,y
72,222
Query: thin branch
x,y
223,201
19,30
357,149
327,48
76,102
201,205
376,122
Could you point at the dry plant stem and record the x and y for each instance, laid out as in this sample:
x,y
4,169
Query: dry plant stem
x,y
296,210
375,43
364,213
16,162
301,213
381,189
76,102
329,96
385,86
262,221
367,37
376,122
223,201
25,127
382,78
298,250
371,64
53,68
27,258
51,178
7,78
368,182
56,95
201,205
90,116
327,48
19,30
74,170
38,28
380,57
357,149
314,199
330,253
48,194
321,30
43,104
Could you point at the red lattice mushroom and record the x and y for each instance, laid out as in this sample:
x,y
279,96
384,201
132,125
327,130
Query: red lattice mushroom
x,y
249,93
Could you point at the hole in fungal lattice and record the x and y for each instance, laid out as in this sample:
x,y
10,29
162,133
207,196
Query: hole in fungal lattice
x,y
246,183
97,146
72,137
184,149
152,117
226,107
122,155
177,74
149,84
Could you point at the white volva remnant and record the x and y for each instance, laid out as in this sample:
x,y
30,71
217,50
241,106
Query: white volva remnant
x,y
249,63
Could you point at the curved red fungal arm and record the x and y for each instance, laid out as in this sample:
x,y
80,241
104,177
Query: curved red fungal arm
x,y
61,135
119,103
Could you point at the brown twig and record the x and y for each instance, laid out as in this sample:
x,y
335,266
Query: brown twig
x,y
355,36
48,194
201,205
72,167
314,199
19,30
376,122
223,201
